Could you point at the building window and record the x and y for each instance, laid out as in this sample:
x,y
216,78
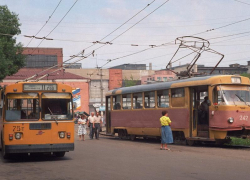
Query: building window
x,y
170,78
137,100
117,102
158,78
165,78
149,99
126,101
163,98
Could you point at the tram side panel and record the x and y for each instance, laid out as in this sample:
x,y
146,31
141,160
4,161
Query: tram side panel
x,y
146,122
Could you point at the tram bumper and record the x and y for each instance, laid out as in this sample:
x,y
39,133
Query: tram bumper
x,y
42,148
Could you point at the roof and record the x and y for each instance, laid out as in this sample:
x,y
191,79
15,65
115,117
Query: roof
x,y
28,72
156,86
201,80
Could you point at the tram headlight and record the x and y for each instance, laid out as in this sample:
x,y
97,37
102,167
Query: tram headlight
x,y
230,120
18,135
61,134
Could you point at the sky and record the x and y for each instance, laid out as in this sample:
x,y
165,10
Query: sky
x,y
91,20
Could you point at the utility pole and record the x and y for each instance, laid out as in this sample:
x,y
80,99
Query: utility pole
x,y
101,86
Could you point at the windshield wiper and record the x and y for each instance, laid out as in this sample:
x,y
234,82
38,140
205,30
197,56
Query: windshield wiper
x,y
52,115
240,98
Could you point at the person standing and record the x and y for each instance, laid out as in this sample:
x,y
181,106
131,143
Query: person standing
x,y
82,127
166,132
97,124
91,120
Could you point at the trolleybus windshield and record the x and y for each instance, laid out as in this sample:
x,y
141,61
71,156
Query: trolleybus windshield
x,y
22,106
233,95
57,106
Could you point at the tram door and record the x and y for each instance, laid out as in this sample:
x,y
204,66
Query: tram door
x,y
193,112
108,115
199,116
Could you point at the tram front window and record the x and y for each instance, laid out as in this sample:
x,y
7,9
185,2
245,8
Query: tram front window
x,y
22,106
57,106
233,95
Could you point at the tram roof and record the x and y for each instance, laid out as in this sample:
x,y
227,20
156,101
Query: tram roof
x,y
160,86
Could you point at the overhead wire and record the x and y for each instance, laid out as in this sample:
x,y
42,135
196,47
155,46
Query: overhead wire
x,y
44,23
82,52
230,24
242,2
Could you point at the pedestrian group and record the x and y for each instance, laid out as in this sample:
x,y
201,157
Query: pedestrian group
x,y
93,122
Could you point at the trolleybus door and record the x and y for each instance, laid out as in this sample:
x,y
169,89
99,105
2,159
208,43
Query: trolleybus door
x,y
193,112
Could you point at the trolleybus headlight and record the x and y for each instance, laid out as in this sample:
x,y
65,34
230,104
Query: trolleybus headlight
x,y
61,134
18,135
230,120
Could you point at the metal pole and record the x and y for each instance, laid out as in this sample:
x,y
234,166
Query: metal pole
x,y
101,87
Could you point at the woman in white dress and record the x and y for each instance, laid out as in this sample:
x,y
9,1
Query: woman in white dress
x,y
82,127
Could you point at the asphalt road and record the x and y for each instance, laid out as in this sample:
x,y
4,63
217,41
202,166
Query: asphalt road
x,y
111,158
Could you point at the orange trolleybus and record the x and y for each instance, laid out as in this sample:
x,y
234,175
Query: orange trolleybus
x,y
135,111
36,117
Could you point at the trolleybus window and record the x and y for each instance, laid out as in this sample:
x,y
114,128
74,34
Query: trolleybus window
x,y
231,95
117,102
57,106
149,99
163,98
137,101
22,106
126,101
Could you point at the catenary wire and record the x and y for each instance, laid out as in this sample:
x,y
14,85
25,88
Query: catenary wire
x,y
45,23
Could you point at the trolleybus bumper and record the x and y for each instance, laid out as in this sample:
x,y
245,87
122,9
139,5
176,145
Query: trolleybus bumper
x,y
35,148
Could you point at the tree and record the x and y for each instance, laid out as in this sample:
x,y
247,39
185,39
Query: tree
x,y
246,75
11,57
129,82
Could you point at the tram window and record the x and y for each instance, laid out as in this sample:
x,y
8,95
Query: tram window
x,y
149,99
126,101
117,102
22,106
179,92
137,101
163,98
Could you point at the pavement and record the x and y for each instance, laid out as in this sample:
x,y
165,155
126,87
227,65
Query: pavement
x,y
111,158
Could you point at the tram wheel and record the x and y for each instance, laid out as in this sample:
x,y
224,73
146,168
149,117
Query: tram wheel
x,y
59,154
132,137
120,133
190,142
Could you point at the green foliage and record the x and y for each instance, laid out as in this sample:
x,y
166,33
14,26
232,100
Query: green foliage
x,y
129,82
246,75
240,142
11,58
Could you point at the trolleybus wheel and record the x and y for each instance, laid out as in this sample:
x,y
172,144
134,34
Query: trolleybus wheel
x,y
4,154
59,154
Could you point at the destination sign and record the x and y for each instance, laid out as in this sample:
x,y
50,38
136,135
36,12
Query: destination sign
x,y
39,87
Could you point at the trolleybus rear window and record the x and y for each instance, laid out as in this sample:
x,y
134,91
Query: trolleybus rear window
x,y
57,106
22,106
